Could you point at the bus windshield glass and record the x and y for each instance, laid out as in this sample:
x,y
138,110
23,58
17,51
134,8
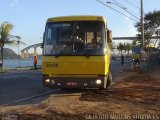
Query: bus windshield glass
x,y
74,38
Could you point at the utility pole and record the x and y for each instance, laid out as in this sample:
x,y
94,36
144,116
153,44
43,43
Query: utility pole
x,y
142,25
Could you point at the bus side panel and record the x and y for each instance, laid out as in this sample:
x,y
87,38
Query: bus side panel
x,y
107,60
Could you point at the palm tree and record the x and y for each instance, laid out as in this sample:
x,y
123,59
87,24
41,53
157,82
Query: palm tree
x,y
124,47
128,47
5,37
120,47
134,42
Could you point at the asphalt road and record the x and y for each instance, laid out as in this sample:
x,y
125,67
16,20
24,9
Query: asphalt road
x,y
16,85
116,66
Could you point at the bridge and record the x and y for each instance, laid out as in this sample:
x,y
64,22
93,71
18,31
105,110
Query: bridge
x,y
24,52
134,38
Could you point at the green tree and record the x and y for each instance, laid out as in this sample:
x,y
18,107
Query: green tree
x,y
158,34
159,45
112,46
120,47
134,42
5,37
151,25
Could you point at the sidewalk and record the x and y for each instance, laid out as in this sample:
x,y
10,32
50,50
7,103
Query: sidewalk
x,y
18,69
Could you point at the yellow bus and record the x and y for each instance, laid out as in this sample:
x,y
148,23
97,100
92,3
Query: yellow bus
x,y
76,53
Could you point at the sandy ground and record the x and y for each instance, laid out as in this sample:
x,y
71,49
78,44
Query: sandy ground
x,y
133,96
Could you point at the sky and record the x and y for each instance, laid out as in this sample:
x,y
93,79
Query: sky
x,y
29,16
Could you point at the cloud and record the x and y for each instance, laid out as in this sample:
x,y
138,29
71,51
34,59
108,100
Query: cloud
x,y
132,29
14,2
127,18
130,25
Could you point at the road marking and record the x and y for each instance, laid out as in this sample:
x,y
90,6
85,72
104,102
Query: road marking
x,y
31,97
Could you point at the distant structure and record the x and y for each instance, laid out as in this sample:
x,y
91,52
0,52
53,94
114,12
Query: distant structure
x,y
133,38
24,52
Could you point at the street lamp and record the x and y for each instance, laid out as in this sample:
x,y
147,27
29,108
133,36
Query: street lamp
x,y
116,4
19,42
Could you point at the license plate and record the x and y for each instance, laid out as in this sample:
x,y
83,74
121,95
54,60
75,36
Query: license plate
x,y
72,84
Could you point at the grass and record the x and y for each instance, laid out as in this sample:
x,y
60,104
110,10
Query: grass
x,y
2,70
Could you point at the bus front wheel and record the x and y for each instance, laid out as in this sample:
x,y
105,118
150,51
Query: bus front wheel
x,y
109,80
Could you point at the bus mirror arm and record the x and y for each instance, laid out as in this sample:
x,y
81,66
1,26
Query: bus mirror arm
x,y
42,46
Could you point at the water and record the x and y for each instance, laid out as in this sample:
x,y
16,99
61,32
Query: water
x,y
13,63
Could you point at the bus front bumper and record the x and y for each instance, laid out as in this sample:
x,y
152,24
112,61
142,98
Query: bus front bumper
x,y
73,82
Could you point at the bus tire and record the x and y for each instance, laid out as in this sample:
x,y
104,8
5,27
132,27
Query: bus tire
x,y
109,80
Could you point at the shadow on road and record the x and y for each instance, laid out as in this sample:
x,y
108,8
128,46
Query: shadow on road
x,y
84,94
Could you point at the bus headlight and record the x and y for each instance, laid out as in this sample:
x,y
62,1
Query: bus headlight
x,y
47,80
104,50
98,82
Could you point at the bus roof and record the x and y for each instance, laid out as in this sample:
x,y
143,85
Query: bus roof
x,y
77,18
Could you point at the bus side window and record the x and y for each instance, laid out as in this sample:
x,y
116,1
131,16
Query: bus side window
x,y
109,35
49,37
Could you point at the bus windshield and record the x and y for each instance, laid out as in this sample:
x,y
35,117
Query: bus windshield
x,y
74,38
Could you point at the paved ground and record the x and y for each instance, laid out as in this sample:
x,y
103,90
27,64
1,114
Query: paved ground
x,y
20,84
133,96
116,66
15,85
